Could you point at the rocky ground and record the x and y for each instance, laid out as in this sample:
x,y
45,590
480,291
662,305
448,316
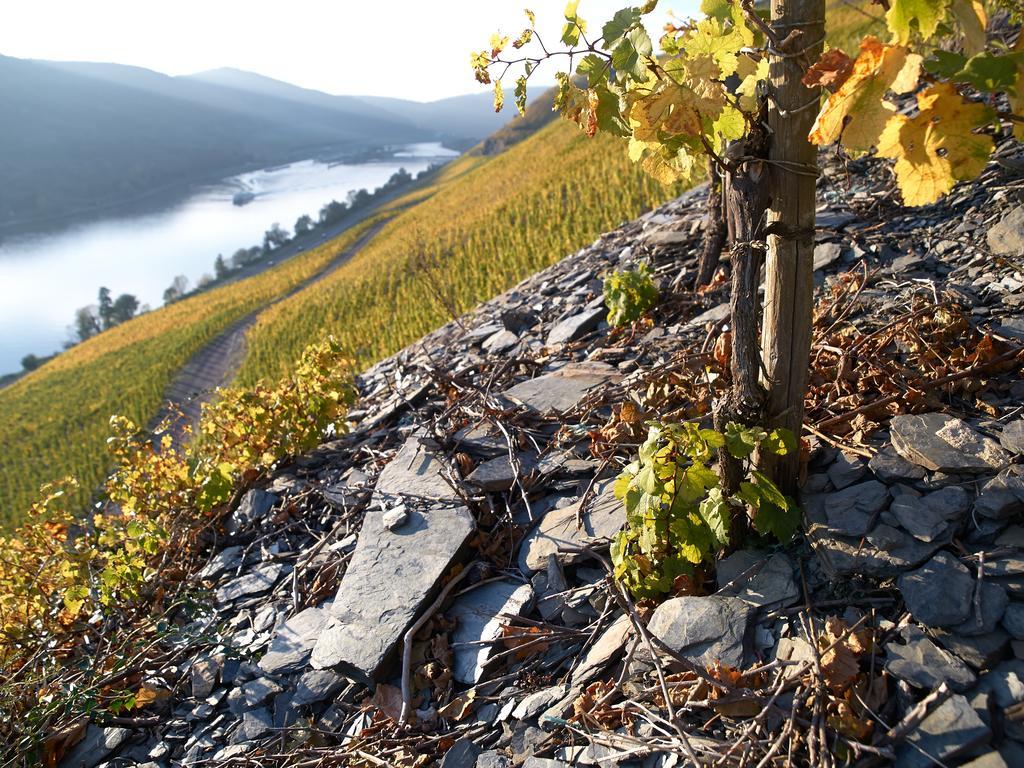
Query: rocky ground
x,y
458,536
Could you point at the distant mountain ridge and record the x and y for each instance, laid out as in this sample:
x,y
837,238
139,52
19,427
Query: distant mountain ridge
x,y
80,137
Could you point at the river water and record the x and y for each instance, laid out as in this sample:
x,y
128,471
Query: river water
x,y
44,277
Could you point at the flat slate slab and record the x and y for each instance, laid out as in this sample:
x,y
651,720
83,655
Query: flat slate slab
x,y
415,473
557,530
293,642
562,389
950,730
944,443
704,630
478,614
572,328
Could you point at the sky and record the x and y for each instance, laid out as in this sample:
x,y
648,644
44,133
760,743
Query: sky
x,y
414,49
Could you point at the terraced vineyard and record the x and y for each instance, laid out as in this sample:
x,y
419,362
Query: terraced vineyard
x,y
489,223
55,421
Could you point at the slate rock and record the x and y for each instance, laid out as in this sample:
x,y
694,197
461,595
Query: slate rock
x,y
850,511
498,474
920,662
1003,495
259,690
293,642
260,579
97,744
204,676
889,467
501,341
493,759
992,602
414,473
1013,620
228,559
562,389
315,686
826,254
395,517
847,470
482,438
543,762
256,723
945,443
765,582
518,320
610,644
989,760
391,575
526,740
713,316
253,507
575,327
1006,236
930,517
704,630
951,729
602,519
885,551
979,651
462,754
1012,436
938,593
478,613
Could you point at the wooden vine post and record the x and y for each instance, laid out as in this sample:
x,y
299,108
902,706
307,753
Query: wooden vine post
x,y
789,285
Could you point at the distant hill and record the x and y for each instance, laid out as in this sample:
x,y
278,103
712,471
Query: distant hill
x,y
79,137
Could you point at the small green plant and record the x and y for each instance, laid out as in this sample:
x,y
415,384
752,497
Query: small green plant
x,y
678,515
628,294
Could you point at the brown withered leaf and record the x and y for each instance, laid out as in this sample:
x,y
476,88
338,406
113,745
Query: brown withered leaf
x,y
147,694
830,71
458,708
387,699
588,706
723,350
58,743
525,639
840,664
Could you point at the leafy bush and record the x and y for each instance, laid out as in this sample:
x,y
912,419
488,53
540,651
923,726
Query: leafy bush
x,y
628,294
70,583
677,513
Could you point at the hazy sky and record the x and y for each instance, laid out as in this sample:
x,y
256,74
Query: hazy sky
x,y
416,49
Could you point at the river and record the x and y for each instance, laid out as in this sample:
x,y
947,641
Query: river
x,y
45,277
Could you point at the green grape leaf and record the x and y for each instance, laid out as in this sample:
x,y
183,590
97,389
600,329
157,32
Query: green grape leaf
x,y
927,13
767,489
780,522
741,441
988,72
521,94
574,25
594,67
715,512
631,53
780,441
945,63
619,24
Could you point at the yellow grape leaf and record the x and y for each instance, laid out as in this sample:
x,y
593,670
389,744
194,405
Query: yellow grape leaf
x,y
730,125
971,17
928,14
908,77
751,73
669,109
937,148
709,38
857,112
147,694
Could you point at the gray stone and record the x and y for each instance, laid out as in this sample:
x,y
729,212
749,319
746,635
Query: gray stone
x,y
498,474
575,327
826,254
1012,436
395,517
979,651
847,470
256,723
94,747
1006,236
992,602
543,762
260,579
293,642
1004,683
1013,620
989,760
610,644
938,593
315,685
391,575
713,316
764,582
493,759
253,507
259,690
890,467
228,559
850,511
1003,495
923,664
950,729
561,390
478,614
704,630
557,530
526,740
886,551
535,703
204,676
482,438
945,443
518,320
414,473
462,754
501,341
931,516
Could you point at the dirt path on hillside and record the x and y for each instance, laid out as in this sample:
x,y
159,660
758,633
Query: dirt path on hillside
x,y
216,364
